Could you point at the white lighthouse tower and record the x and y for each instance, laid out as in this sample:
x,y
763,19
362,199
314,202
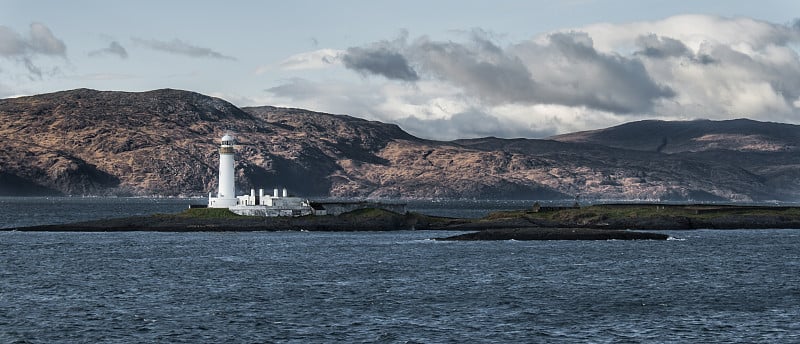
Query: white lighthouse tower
x,y
226,194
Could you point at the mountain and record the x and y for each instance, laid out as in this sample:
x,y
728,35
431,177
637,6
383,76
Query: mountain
x,y
164,142
741,135
766,149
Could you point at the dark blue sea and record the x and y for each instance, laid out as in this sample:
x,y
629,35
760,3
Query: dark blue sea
x,y
704,286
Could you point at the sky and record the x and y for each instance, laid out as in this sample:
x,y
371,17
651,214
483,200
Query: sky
x,y
439,69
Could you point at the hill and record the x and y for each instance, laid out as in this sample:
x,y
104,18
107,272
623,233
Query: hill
x,y
163,142
742,135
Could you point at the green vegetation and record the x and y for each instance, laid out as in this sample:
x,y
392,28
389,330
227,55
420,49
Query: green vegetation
x,y
209,213
368,213
645,211
598,217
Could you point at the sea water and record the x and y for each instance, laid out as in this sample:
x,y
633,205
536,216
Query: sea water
x,y
387,287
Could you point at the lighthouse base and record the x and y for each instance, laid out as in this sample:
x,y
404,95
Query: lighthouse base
x,y
215,202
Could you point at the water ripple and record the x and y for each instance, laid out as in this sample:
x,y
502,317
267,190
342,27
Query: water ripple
x,y
714,286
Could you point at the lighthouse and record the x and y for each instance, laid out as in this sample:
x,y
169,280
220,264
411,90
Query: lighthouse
x,y
226,193
277,204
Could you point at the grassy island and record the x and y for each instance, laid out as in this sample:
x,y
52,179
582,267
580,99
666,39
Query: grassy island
x,y
655,217
597,222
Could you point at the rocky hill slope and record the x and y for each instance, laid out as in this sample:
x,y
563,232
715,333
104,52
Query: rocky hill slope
x,y
163,142
742,135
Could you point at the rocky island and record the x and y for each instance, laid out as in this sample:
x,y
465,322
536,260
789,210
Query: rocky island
x,y
598,222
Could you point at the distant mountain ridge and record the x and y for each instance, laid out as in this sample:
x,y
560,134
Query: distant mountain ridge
x,y
163,142
743,135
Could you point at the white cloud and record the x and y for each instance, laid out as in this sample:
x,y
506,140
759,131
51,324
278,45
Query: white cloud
x,y
693,30
316,59
180,47
682,67
114,48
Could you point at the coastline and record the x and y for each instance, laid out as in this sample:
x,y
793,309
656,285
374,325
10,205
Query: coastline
x,y
597,222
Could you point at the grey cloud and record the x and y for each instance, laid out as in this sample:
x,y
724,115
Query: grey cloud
x,y
482,40
469,124
296,88
570,71
482,69
11,43
359,101
660,47
40,40
337,97
114,48
784,79
567,70
379,60
704,59
180,47
573,45
32,68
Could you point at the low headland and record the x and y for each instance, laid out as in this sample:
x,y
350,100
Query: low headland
x,y
596,222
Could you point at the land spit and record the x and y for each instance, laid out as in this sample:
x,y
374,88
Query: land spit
x,y
597,222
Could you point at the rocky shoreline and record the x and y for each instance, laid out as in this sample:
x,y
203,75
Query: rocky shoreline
x,y
599,222
555,234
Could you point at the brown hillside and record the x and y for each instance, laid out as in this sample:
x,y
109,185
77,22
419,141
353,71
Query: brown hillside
x,y
163,142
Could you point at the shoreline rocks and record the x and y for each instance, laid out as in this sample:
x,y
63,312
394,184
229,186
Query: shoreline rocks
x,y
599,222
525,234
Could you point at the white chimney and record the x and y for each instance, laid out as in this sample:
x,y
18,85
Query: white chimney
x,y
285,192
275,193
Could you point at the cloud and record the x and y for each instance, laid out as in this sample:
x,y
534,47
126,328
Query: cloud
x,y
473,123
114,48
317,59
570,71
179,47
379,60
42,41
24,49
11,43
296,88
333,96
480,68
312,60
727,67
681,67
651,45
529,72
385,58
